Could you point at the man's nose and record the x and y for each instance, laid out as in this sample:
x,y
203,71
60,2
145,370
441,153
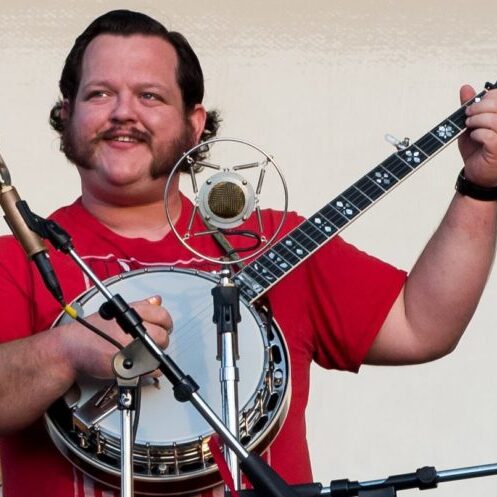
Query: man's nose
x,y
124,109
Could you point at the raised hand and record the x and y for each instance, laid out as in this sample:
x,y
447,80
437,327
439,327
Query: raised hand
x,y
478,145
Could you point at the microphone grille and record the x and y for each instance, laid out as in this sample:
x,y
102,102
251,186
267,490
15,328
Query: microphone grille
x,y
226,200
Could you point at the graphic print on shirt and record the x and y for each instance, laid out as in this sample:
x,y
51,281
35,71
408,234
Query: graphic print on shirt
x,y
112,265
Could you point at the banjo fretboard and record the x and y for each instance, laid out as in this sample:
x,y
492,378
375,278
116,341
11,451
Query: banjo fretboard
x,y
260,275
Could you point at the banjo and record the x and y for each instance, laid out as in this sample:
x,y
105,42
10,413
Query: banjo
x,y
171,453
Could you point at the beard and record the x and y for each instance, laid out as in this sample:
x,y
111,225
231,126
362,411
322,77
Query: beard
x,y
83,154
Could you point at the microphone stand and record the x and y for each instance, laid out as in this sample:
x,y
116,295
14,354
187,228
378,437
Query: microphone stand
x,y
262,477
226,299
126,404
424,478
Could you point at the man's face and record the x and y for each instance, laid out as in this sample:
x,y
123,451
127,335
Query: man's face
x,y
127,125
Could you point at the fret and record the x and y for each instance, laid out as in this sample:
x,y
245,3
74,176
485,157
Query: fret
x,y
247,293
262,273
459,118
322,220
356,197
304,239
268,263
369,188
258,276
259,268
339,212
383,178
288,256
396,166
412,156
324,227
345,208
446,131
295,247
318,229
429,143
278,260
273,265
249,288
480,95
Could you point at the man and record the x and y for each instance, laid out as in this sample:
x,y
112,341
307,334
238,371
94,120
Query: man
x,y
132,103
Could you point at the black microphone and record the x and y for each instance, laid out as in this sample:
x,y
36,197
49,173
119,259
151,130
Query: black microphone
x,y
32,244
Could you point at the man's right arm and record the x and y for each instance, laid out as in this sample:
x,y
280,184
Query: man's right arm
x,y
36,370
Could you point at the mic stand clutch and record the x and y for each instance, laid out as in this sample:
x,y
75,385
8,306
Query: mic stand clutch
x,y
129,364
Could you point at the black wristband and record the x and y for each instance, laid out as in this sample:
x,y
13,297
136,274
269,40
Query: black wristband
x,y
466,187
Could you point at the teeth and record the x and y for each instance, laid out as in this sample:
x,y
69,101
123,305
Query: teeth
x,y
124,139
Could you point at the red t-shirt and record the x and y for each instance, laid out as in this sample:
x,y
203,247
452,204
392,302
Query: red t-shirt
x,y
329,308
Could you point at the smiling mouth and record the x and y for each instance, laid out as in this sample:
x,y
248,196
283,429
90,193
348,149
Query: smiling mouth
x,y
124,139
125,136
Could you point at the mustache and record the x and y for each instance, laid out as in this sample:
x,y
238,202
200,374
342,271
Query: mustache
x,y
115,131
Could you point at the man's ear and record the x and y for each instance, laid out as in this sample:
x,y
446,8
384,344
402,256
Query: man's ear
x,y
197,118
65,109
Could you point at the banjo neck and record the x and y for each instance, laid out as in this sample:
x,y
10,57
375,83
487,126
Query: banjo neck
x,y
261,274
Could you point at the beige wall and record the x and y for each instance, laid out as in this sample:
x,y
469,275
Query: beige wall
x,y
316,84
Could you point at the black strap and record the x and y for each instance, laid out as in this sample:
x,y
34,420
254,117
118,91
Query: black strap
x,y
466,187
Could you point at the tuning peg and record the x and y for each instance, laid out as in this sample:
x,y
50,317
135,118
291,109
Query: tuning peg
x,y
398,144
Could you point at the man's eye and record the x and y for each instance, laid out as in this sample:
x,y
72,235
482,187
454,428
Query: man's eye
x,y
98,94
151,96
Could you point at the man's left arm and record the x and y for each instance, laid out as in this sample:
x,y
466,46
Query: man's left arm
x,y
445,285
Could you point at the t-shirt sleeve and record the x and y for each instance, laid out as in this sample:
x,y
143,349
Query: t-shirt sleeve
x,y
351,295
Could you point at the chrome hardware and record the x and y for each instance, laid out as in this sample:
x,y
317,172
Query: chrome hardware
x,y
398,144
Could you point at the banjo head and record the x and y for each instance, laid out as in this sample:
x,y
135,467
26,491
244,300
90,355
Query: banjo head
x,y
171,454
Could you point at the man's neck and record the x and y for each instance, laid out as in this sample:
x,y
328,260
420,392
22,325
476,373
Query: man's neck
x,y
140,220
